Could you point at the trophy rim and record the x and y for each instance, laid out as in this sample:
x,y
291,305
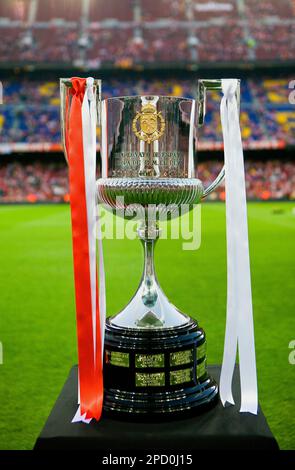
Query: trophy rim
x,y
149,94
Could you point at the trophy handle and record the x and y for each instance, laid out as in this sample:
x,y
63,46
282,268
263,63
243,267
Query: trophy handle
x,y
203,86
65,85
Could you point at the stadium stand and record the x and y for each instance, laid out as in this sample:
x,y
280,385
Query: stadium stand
x,y
146,32
163,9
225,43
67,10
274,41
266,8
30,113
100,10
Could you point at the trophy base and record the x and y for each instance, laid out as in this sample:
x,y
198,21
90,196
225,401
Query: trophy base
x,y
157,372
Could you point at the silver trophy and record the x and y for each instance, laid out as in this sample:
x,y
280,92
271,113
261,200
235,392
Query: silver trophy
x,y
155,355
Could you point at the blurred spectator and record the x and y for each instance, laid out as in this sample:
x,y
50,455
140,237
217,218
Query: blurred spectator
x,y
48,182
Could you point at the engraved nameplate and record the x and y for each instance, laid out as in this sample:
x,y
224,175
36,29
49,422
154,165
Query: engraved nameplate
x,y
156,379
117,358
180,358
181,376
201,350
149,360
201,369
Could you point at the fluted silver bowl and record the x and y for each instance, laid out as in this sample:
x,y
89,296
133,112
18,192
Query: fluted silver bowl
x,y
145,191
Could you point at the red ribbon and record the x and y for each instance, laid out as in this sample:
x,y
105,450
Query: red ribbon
x,y
90,357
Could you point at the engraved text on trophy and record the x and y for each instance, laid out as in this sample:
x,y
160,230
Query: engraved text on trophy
x,y
170,164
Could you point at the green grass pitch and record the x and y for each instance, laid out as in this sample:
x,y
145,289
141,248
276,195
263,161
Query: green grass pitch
x,y
37,316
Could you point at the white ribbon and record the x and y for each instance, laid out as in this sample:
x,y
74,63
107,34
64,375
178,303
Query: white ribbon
x,y
89,147
89,114
239,332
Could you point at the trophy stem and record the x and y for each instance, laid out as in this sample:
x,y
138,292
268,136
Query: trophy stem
x,y
149,234
149,295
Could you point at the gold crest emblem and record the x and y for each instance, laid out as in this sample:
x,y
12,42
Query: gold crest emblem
x,y
152,124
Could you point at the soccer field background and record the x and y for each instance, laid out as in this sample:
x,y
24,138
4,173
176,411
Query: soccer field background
x,y
37,316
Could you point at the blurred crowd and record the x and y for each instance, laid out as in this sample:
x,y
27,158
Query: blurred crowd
x,y
265,180
127,33
30,109
48,182
35,182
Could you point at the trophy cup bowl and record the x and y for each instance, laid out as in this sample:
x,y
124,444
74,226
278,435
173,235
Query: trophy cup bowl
x,y
155,355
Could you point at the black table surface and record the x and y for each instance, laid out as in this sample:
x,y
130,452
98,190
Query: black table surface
x,y
220,428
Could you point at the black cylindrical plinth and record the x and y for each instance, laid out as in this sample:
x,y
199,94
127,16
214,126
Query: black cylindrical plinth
x,y
156,372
